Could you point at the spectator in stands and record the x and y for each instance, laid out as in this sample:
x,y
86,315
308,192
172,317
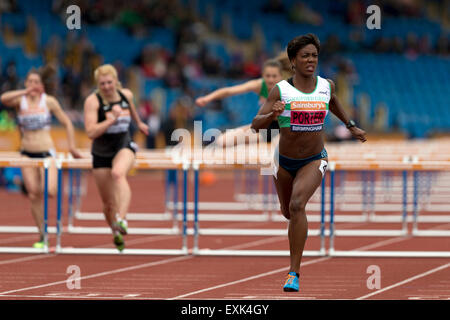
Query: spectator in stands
x,y
274,6
443,45
31,37
52,51
301,13
424,44
10,77
356,13
180,116
8,6
152,61
411,45
152,118
381,45
397,45
174,77
131,18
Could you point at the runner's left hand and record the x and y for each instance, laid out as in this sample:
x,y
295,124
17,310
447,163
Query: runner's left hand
x,y
143,128
75,153
358,133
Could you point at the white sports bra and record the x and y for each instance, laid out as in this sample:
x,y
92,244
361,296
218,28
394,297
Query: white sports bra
x,y
36,118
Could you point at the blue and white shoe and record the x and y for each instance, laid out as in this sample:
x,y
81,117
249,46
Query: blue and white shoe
x,y
291,284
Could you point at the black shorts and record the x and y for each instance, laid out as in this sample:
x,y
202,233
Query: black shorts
x,y
106,162
37,155
293,165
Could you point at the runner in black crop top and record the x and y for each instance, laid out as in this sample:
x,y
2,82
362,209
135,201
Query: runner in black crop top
x,y
117,136
107,118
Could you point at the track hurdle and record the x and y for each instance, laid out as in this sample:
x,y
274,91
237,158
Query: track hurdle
x,y
386,165
415,229
172,185
141,164
197,166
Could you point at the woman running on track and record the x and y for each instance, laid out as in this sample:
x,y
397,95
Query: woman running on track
x,y
300,105
107,116
272,72
34,109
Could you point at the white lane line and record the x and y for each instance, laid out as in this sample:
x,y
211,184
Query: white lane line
x,y
371,246
101,274
246,279
384,243
37,257
28,258
77,297
398,284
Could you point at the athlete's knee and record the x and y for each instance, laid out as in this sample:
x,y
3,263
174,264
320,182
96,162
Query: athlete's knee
x,y
34,194
297,207
118,173
285,211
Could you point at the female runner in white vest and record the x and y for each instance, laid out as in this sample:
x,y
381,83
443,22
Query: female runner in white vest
x,y
301,105
35,108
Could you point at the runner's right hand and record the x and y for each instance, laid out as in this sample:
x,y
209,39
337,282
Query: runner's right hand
x,y
278,108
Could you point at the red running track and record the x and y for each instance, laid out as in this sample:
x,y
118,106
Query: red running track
x,y
48,276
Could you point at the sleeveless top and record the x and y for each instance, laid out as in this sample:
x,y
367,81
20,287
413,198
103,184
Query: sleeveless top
x,y
34,119
263,95
117,136
264,92
304,112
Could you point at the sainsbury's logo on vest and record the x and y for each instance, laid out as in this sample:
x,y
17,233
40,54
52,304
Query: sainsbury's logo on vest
x,y
309,105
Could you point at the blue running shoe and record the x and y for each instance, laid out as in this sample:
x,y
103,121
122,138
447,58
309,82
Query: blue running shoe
x,y
291,284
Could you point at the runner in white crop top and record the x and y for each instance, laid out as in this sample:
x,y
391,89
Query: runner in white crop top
x,y
34,108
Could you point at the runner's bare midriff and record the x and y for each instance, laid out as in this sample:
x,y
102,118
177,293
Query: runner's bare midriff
x,y
300,145
36,141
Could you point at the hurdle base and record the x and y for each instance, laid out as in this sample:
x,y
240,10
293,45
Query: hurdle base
x,y
266,253
370,233
24,229
431,233
113,251
141,231
389,254
23,250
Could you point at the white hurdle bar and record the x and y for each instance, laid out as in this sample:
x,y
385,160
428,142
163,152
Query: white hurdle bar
x,y
35,163
141,164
